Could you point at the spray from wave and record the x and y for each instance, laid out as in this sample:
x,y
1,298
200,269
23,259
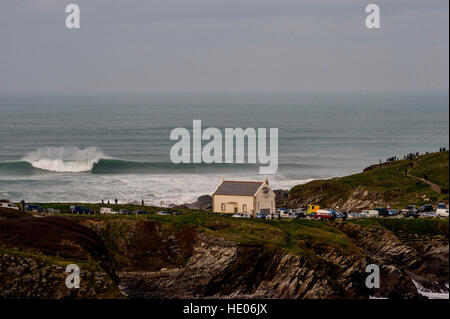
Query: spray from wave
x,y
64,159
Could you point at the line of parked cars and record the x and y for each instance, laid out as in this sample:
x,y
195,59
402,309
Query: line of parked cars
x,y
8,205
425,211
77,209
110,211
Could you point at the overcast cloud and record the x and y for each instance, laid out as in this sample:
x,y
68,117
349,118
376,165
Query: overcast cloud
x,y
130,46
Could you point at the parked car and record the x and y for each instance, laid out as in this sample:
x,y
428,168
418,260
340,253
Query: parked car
x,y
74,209
8,205
299,214
411,208
441,210
275,215
261,215
107,211
344,215
284,213
425,208
33,208
393,212
337,215
140,212
382,212
177,213
52,211
324,214
161,212
411,213
367,213
352,215
242,215
429,215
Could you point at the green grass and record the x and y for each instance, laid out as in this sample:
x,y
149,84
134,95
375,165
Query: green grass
x,y
388,182
289,235
435,166
297,236
65,207
420,226
50,259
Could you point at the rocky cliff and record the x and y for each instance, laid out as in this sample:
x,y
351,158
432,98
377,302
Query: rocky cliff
x,y
219,268
211,256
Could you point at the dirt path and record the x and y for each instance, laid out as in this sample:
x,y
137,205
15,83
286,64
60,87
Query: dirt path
x,y
433,186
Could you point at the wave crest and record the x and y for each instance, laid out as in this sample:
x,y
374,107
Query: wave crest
x,y
64,159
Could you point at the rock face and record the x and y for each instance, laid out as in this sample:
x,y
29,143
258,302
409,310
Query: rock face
x,y
222,269
142,245
281,197
204,203
149,259
55,236
358,199
23,277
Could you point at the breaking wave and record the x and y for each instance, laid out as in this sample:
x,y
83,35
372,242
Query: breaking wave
x,y
64,159
92,159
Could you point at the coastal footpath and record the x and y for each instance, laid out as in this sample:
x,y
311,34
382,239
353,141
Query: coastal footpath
x,y
419,180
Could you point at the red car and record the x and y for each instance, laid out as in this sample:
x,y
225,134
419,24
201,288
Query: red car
x,y
324,214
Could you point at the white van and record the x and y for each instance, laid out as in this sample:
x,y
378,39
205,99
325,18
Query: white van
x,y
107,211
284,213
370,213
242,215
9,205
441,210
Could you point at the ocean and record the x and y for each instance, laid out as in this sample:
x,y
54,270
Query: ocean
x,y
93,148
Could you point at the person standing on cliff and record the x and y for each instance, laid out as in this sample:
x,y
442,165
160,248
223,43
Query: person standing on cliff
x,y
116,201
142,202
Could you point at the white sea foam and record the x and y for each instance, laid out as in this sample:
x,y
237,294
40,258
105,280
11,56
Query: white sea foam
x,y
64,159
430,294
152,188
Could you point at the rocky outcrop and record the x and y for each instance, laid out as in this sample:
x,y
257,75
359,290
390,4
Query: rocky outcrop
x,y
223,269
143,245
36,278
156,260
203,203
281,197
56,236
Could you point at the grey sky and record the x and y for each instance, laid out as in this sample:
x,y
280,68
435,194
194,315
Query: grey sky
x,y
143,46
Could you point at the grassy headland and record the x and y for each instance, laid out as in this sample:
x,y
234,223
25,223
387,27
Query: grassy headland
x,y
382,184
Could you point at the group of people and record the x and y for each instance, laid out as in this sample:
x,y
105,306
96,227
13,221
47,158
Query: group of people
x,y
411,156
